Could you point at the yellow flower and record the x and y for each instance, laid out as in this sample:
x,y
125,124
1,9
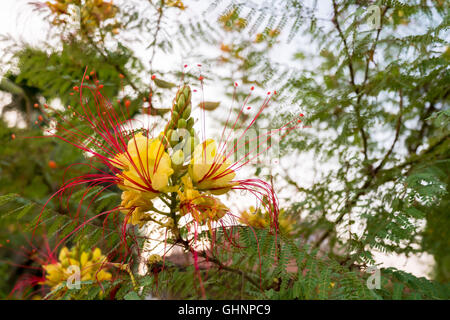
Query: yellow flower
x,y
203,207
90,264
175,3
146,166
154,258
138,203
258,219
210,171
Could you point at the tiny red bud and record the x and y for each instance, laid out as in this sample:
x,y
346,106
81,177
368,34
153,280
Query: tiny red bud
x,y
52,164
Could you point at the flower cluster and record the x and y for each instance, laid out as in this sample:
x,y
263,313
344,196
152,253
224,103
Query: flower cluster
x,y
256,218
90,264
170,179
91,13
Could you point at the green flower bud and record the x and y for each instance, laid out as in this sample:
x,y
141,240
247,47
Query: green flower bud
x,y
169,135
181,102
187,92
190,145
187,112
182,123
190,124
178,158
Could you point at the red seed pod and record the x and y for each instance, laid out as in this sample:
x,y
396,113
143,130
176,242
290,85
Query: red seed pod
x,y
45,105
36,105
301,114
76,88
13,136
40,118
92,73
87,78
121,76
153,77
100,86
252,88
200,78
127,103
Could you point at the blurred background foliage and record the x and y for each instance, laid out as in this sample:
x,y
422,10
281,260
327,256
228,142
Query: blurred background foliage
x,y
376,99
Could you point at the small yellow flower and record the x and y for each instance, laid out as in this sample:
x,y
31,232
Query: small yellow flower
x,y
90,264
153,259
257,219
136,201
210,171
203,207
175,3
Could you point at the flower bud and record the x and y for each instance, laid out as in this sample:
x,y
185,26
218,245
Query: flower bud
x,y
189,125
187,92
181,102
182,123
169,135
178,158
187,112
